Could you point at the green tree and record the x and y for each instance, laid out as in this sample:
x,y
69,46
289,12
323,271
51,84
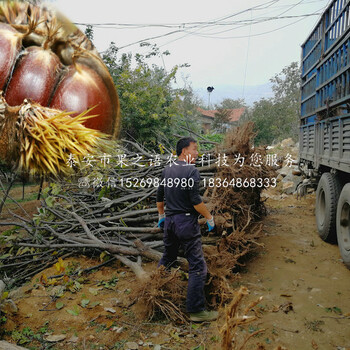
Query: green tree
x,y
222,116
286,87
277,118
89,32
187,113
150,106
229,103
221,120
263,114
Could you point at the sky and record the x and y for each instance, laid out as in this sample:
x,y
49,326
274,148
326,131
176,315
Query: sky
x,y
231,45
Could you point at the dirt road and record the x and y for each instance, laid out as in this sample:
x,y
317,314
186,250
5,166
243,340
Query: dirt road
x,y
301,278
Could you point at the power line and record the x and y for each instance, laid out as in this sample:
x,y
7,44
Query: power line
x,y
246,23
211,36
109,25
150,38
198,27
260,20
194,33
266,4
257,22
179,24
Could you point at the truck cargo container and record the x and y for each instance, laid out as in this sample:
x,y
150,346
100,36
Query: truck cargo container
x,y
324,138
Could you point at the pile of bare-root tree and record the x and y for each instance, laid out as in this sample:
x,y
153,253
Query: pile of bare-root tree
x,y
111,208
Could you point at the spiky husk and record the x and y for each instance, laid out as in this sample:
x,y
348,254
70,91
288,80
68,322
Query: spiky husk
x,y
49,138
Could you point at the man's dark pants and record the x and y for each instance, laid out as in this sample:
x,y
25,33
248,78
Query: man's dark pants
x,y
183,229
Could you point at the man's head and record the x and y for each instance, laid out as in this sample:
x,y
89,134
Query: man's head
x,y
186,149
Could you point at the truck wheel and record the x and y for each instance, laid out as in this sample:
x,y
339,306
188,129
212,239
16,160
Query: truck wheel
x,y
343,224
327,195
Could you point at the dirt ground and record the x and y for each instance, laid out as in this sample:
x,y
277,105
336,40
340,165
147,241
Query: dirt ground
x,y
302,277
305,289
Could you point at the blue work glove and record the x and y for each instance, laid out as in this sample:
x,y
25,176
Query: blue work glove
x,y
161,219
211,224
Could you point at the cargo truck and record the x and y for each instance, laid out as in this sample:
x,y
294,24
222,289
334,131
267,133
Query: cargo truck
x,y
324,138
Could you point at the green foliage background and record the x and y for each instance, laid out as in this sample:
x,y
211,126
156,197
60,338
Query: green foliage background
x,y
277,118
154,112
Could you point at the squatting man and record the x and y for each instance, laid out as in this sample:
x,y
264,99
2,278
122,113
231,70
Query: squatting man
x,y
179,189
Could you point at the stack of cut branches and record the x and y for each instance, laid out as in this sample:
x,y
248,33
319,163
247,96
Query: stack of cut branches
x,y
111,207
